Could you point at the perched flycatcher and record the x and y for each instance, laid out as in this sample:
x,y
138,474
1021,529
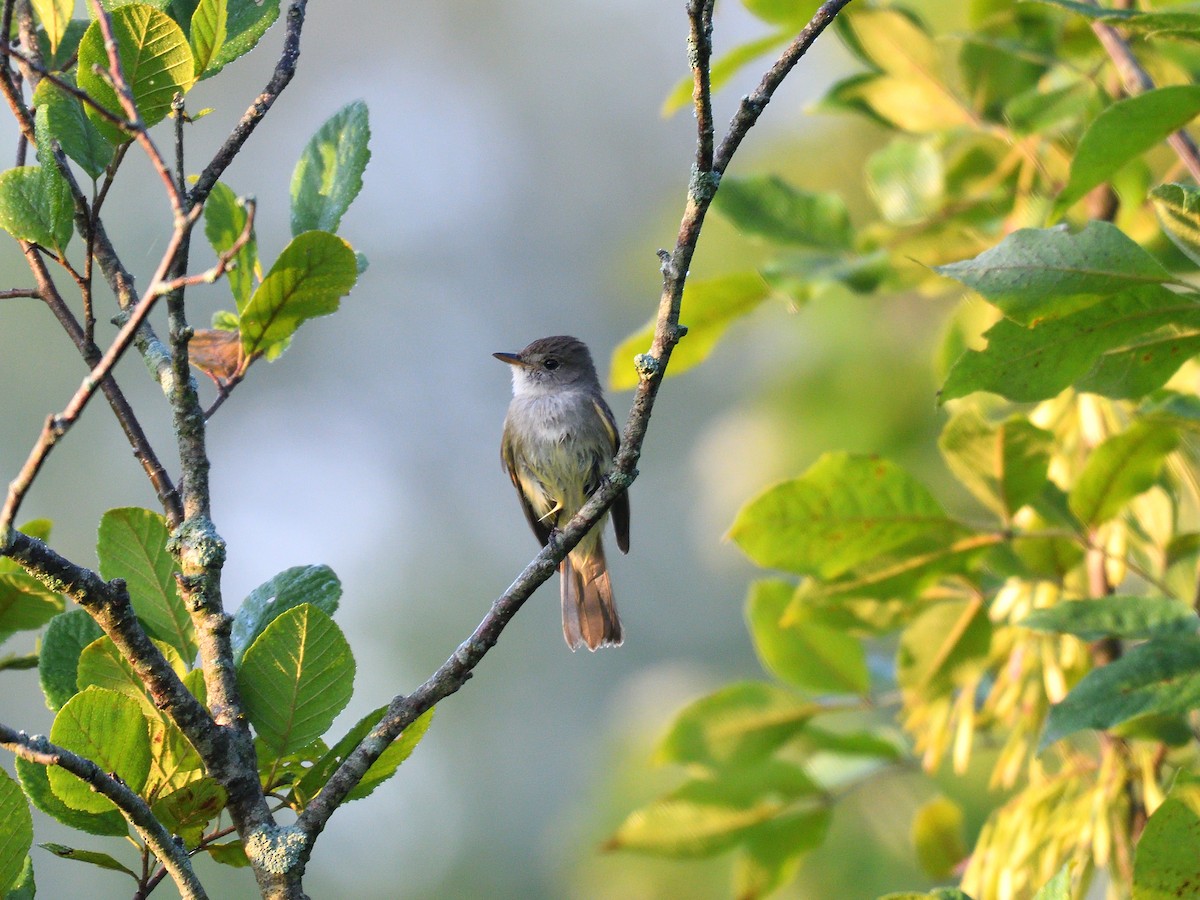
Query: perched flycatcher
x,y
559,440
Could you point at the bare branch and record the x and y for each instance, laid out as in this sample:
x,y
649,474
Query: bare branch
x,y
173,857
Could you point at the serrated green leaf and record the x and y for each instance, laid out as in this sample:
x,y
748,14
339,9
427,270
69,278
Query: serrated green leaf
x,y
1043,273
247,21
740,722
1131,618
907,180
1123,132
772,852
768,207
101,664
16,832
36,206
36,782
709,307
1003,465
58,662
224,221
1164,865
1038,362
1119,469
132,544
947,640
317,585
91,857
109,729
1178,209
155,58
939,836
1160,676
295,678
308,279
207,33
329,173
844,511
54,15
723,68
807,652
25,604
62,117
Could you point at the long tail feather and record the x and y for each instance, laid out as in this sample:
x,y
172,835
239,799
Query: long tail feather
x,y
589,612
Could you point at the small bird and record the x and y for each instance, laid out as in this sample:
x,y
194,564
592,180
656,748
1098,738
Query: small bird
x,y
559,439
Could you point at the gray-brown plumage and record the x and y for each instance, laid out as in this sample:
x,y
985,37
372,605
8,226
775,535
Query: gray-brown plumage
x,y
559,440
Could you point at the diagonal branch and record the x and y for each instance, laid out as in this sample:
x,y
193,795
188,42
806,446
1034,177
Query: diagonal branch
x,y
174,857
455,672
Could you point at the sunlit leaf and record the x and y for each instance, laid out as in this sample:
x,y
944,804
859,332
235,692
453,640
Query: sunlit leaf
x,y
54,15
62,117
225,219
36,206
317,585
907,180
329,173
946,640
1178,210
25,603
109,729
1118,470
771,853
1003,465
938,834
1131,618
16,831
246,22
207,33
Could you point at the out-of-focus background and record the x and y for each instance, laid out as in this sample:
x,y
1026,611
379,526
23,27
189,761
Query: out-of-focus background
x,y
522,178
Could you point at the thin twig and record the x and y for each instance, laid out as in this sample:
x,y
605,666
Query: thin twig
x,y
14,293
173,856
454,673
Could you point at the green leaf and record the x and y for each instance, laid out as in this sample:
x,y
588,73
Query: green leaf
x,y
1039,111
36,206
16,832
308,279
329,174
1160,676
1043,273
54,15
808,651
782,11
247,22
61,116
939,836
1165,864
709,307
769,208
1036,363
1178,210
1130,618
723,68
844,511
295,678
317,585
109,729
946,641
224,221
207,33
132,545
187,810
36,782
1003,465
1134,371
907,180
1123,132
68,44
101,664
58,662
741,722
230,853
92,857
25,604
1118,470
381,770
772,852
24,888
155,59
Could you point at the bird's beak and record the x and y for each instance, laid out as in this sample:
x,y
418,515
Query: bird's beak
x,y
513,359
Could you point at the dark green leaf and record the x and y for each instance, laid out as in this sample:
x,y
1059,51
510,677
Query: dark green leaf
x,y
1003,465
317,585
329,174
58,662
1132,618
224,221
807,652
92,857
308,279
16,832
1159,676
1119,469
1123,132
36,206
24,888
246,23
709,307
295,678
769,208
155,58
132,544
843,512
61,116
1043,273
109,729
36,782
1132,372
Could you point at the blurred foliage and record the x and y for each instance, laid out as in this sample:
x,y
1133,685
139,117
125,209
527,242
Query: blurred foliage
x,y
1040,634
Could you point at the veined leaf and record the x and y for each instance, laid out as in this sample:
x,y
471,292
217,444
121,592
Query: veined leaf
x,y
101,664
36,206
54,15
58,660
1119,469
329,174
155,58
317,585
1131,618
769,208
25,604
61,116
1178,209
207,33
246,22
16,832
224,221
1003,465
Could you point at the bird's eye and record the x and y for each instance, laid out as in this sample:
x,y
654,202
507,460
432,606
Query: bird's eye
x,y
550,364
